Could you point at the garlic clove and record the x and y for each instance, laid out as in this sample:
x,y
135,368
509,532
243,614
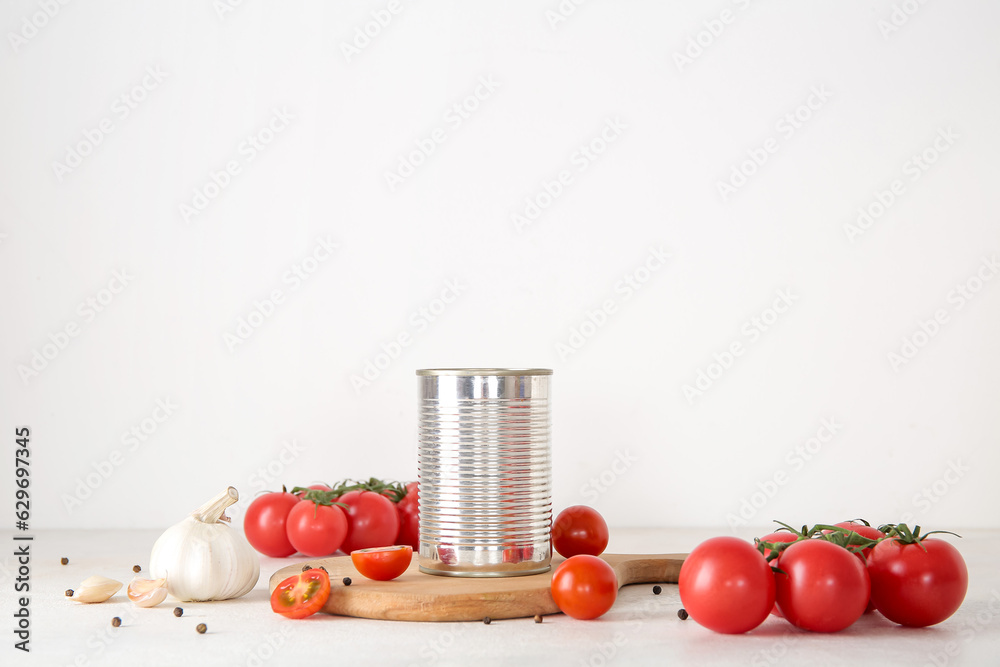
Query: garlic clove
x,y
96,589
147,592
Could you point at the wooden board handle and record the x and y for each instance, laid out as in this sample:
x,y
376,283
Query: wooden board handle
x,y
645,568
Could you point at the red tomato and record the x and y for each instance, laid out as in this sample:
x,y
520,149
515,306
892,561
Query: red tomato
x,y
584,586
317,487
823,587
316,530
382,563
917,584
579,530
264,523
409,518
871,532
301,595
726,585
372,520
780,536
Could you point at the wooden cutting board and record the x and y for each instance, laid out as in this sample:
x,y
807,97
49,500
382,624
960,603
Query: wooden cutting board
x,y
415,596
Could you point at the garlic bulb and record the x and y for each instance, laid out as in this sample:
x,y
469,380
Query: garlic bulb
x,y
203,559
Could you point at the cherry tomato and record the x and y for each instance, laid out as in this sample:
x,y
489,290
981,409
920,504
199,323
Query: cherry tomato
x,y
372,520
318,487
871,532
382,563
302,594
780,536
584,586
917,584
823,587
316,530
726,585
264,523
579,530
409,518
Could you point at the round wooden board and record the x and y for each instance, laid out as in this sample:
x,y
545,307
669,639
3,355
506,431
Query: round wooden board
x,y
415,596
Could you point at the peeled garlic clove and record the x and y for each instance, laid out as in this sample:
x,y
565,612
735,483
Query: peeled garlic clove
x,y
147,592
96,589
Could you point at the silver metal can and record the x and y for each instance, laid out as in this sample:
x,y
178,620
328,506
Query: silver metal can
x,y
485,471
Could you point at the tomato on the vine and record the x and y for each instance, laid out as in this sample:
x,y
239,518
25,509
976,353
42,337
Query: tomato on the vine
x,y
579,530
726,585
408,509
779,536
301,595
864,530
822,586
917,583
319,486
265,523
316,529
371,518
382,563
584,587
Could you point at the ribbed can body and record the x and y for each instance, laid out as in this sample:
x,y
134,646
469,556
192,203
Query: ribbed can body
x,y
485,471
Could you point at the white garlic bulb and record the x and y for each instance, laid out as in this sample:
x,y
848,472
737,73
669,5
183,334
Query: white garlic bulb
x,y
203,559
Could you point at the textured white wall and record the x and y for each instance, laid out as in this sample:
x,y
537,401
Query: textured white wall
x,y
174,174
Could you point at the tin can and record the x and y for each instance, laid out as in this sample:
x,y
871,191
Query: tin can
x,y
485,471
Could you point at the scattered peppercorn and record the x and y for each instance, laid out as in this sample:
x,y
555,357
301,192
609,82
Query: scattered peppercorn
x,y
69,592
323,568
538,619
201,628
136,568
487,620
64,560
307,567
347,581
178,612
115,622
682,614
657,590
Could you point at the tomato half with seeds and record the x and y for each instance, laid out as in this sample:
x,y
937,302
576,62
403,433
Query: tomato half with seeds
x,y
383,563
301,595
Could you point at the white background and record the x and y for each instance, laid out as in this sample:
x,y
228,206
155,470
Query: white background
x,y
915,441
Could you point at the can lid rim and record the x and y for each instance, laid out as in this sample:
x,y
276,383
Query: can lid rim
x,y
469,372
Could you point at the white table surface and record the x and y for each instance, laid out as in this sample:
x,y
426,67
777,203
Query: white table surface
x,y
641,628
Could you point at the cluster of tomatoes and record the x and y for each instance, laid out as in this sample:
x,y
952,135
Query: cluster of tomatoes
x,y
319,520
823,578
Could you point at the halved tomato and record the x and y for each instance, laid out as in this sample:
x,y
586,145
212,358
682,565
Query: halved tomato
x,y
382,563
301,595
